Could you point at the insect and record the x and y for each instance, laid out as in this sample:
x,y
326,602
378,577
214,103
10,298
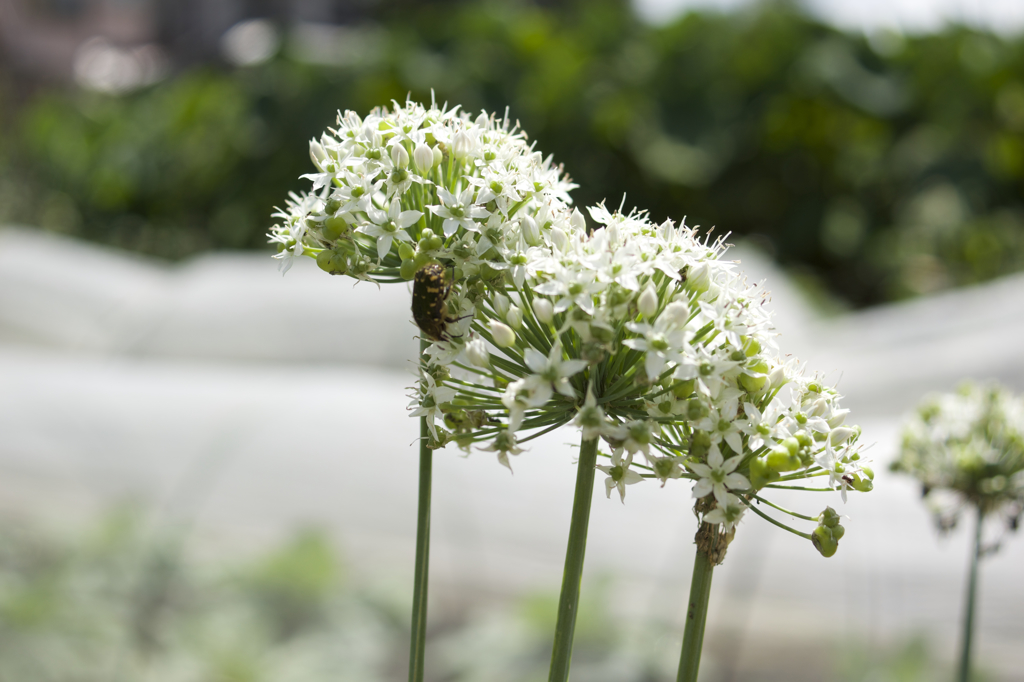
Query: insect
x,y
429,302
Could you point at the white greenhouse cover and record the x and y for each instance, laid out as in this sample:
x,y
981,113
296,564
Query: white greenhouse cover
x,y
246,404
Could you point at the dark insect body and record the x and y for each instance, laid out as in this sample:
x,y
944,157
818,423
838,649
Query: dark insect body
x,y
429,308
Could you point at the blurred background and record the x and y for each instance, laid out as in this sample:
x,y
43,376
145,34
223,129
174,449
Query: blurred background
x,y
206,470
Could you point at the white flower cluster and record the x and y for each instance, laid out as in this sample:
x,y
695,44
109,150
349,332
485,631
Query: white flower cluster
x,y
638,333
643,336
967,448
405,187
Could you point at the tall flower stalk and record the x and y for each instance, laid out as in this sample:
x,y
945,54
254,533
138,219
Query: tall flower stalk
x,y
398,190
967,450
637,333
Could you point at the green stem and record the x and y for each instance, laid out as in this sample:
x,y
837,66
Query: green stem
x,y
418,633
784,510
794,531
972,588
569,599
696,616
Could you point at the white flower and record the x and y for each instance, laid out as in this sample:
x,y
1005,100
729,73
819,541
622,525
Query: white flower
x,y
666,468
389,226
572,287
718,475
504,444
639,435
458,211
430,399
288,256
554,368
721,424
592,422
356,193
523,394
619,475
728,512
760,428
661,343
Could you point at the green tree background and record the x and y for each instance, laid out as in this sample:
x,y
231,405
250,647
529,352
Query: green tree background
x,y
873,168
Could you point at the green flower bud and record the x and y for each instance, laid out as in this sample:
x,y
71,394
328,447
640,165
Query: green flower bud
x,y
665,467
332,261
792,444
405,251
761,474
863,485
751,383
829,517
824,541
325,259
751,347
408,269
780,459
700,444
757,367
334,227
684,389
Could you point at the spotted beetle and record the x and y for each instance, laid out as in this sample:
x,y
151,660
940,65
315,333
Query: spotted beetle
x,y
429,302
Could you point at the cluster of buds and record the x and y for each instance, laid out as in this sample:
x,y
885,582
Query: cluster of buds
x,y
967,449
640,334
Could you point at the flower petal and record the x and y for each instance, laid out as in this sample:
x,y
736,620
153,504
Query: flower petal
x,y
407,218
702,488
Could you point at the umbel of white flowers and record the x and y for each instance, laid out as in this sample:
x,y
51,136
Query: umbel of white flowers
x,y
402,188
967,450
637,333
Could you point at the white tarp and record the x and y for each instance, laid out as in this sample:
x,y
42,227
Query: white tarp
x,y
246,404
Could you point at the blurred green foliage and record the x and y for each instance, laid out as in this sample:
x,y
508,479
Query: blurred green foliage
x,y
880,167
127,602
130,600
